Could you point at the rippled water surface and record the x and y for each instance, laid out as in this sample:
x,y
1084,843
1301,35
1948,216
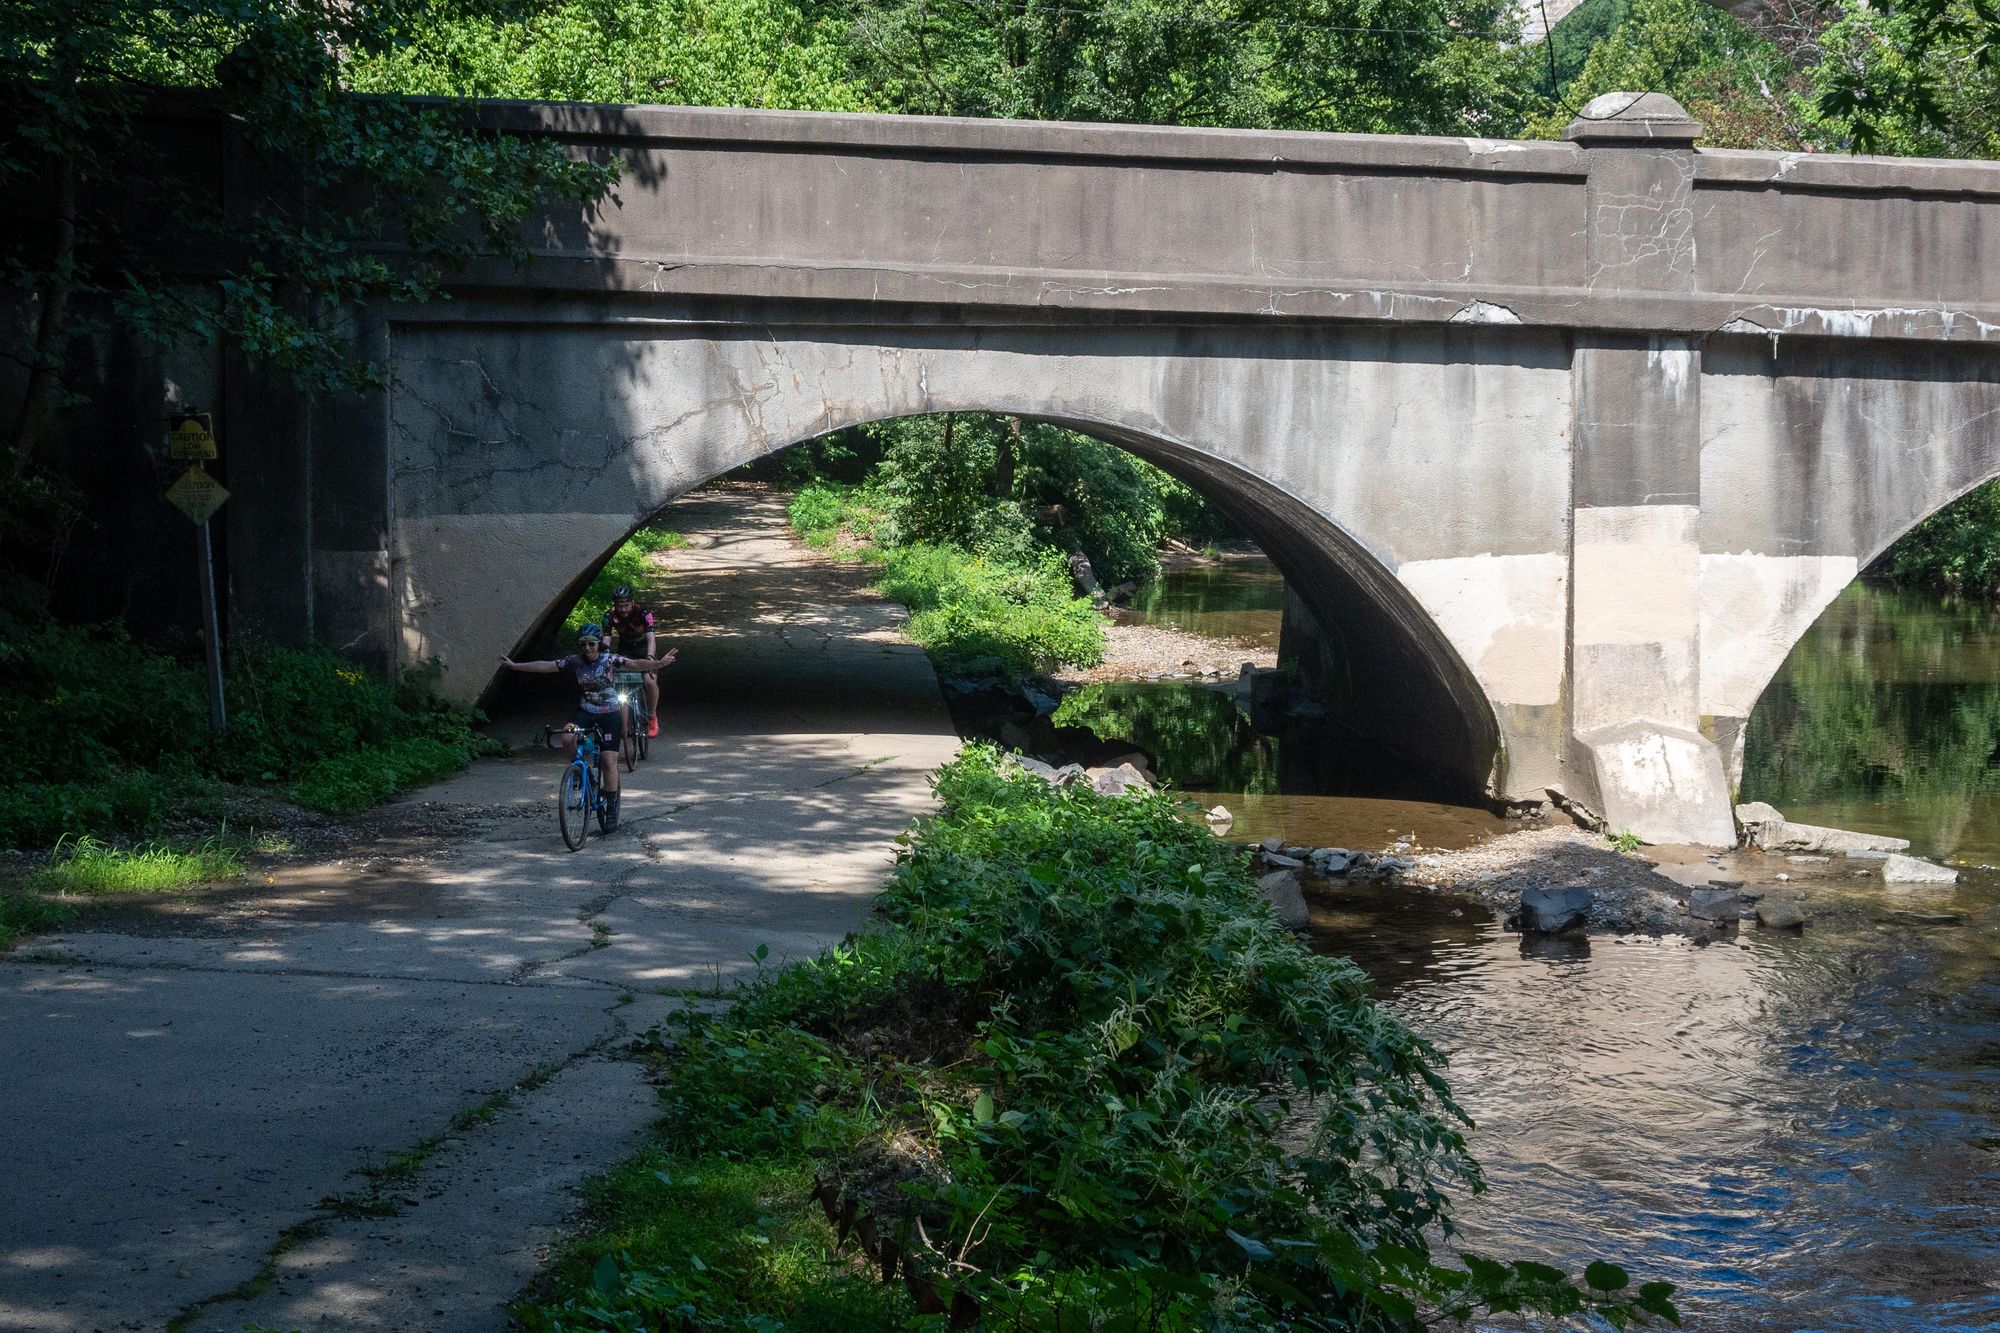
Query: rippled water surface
x,y
1800,1131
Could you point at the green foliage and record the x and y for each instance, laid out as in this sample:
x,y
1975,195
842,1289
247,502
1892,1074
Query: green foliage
x,y
965,479
1625,840
1916,76
349,782
1957,548
76,78
630,564
88,866
1081,1079
1739,84
1199,739
1409,66
756,53
25,914
1013,619
1888,700
1004,614
119,731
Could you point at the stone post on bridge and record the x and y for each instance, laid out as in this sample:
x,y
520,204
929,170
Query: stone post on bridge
x,y
1635,556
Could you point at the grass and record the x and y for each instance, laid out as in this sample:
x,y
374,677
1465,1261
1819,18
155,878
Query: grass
x,y
675,1232
87,867
22,914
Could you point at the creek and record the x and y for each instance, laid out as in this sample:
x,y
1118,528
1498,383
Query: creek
x,y
1801,1131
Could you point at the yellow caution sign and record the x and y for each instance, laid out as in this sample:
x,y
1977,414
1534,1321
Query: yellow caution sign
x,y
197,494
190,435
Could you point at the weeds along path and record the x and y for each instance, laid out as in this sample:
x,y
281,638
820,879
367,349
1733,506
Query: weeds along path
x,y
361,1096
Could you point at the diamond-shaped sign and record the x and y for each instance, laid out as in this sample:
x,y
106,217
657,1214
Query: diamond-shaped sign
x,y
190,436
197,494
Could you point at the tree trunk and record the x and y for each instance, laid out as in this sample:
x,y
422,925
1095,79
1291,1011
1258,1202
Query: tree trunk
x,y
1010,450
44,390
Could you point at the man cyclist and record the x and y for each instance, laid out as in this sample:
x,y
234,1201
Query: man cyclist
x,y
631,627
596,672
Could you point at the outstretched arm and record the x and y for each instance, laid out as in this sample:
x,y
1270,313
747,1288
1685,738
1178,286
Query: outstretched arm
x,y
512,665
652,663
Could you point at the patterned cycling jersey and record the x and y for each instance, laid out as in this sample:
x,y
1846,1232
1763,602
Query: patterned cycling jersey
x,y
630,628
598,680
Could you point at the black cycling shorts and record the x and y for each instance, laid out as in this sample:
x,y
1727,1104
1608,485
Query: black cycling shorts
x,y
612,724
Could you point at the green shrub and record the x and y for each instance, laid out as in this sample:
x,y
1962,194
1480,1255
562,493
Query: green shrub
x,y
350,782
88,866
1956,548
1081,1078
1018,618
119,738
22,914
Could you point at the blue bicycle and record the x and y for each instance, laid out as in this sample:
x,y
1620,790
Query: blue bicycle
x,y
578,795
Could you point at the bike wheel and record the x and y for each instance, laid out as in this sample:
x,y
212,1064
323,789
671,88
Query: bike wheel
x,y
628,749
573,797
645,741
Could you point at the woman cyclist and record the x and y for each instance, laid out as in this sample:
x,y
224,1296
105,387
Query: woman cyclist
x,y
596,671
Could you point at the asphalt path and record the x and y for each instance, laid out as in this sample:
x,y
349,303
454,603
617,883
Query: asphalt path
x,y
200,1108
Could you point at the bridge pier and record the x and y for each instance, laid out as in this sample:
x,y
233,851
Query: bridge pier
x,y
1637,752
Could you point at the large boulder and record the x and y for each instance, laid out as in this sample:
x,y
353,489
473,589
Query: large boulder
x,y
1281,889
1714,904
1118,781
1780,915
1782,835
1548,911
1916,870
1028,764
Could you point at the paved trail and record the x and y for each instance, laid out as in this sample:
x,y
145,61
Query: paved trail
x,y
185,1092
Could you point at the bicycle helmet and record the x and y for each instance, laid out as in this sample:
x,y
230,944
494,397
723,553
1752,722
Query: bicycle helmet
x,y
592,633
622,593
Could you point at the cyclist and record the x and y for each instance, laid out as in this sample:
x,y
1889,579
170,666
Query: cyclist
x,y
596,671
631,627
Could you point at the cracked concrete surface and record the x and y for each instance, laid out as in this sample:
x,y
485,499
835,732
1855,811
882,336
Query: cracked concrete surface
x,y
185,1098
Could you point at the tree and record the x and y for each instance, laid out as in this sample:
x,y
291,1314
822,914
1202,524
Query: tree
x,y
754,53
1408,66
79,77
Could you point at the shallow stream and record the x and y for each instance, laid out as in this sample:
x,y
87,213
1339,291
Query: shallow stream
x,y
1799,1131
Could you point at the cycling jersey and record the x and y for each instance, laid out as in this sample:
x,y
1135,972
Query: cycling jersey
x,y
630,629
598,680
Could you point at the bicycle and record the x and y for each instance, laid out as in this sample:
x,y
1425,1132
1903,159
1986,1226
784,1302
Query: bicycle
x,y
577,794
632,693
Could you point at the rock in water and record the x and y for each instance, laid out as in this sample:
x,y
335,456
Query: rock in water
x,y
1281,889
1780,916
1784,836
1715,904
1756,812
1547,911
1274,843
1916,870
1280,859
1219,818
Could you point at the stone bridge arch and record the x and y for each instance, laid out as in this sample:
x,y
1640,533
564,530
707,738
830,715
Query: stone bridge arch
x,y
1818,455
517,462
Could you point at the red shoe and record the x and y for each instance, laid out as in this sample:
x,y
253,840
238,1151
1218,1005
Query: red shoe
x,y
652,727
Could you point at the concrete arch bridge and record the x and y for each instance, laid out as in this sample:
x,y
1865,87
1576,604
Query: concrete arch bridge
x,y
1564,443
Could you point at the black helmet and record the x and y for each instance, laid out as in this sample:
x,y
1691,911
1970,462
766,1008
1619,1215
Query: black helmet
x,y
622,593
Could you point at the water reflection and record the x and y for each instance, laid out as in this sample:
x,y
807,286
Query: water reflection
x,y
1885,717
1238,597
1800,1132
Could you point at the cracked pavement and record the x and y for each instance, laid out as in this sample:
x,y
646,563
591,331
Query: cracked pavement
x,y
186,1096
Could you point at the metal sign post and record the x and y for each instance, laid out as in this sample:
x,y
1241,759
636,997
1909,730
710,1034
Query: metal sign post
x,y
199,495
